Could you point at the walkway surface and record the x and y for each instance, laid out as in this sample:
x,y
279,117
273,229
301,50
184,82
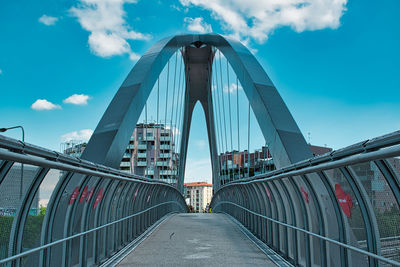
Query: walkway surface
x,y
197,240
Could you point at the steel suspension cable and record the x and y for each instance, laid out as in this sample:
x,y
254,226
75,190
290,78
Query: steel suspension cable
x,y
216,116
218,104
157,129
166,98
264,150
145,135
181,106
172,115
248,142
230,111
173,94
223,108
158,98
238,124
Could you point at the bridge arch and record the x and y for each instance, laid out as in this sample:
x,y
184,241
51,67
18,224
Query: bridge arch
x,y
111,136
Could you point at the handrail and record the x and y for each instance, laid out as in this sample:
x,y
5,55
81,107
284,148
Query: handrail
x,y
28,252
395,263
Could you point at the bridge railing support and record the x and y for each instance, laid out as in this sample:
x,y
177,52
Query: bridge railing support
x,y
103,212
338,209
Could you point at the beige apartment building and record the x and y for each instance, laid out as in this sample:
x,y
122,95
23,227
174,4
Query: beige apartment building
x,y
198,195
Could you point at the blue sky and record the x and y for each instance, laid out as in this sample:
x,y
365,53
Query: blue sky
x,y
335,63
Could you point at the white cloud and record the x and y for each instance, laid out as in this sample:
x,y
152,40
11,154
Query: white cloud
x,y
257,19
48,20
81,135
197,25
232,88
76,99
43,104
109,32
180,9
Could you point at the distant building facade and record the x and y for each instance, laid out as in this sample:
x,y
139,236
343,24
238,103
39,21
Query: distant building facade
x,y
150,153
198,195
240,164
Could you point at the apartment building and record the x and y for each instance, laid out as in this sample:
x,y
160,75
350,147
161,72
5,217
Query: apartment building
x,y
198,195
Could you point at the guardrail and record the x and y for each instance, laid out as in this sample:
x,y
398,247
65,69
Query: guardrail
x,y
338,209
93,211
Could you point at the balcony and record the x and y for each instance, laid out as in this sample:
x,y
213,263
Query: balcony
x,y
125,164
142,155
165,155
148,138
141,163
165,138
149,172
127,155
131,146
167,172
142,146
165,146
162,163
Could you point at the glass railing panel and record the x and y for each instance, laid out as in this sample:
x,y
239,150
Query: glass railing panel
x,y
34,221
12,192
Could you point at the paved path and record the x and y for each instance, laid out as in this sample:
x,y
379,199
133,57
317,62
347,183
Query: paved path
x,y
197,240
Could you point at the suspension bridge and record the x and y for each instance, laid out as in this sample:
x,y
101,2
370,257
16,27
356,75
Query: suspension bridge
x,y
285,207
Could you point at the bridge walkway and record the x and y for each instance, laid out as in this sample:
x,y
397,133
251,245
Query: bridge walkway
x,y
197,239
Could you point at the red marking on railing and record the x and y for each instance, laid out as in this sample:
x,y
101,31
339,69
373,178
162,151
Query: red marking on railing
x,y
74,195
90,194
98,198
268,193
305,194
135,195
344,199
84,194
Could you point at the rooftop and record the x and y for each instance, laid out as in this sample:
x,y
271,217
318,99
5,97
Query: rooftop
x,y
197,184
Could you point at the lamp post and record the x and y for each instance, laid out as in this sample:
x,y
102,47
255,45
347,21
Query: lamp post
x,y
2,130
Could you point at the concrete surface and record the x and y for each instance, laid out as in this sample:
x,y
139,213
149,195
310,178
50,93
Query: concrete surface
x,y
200,239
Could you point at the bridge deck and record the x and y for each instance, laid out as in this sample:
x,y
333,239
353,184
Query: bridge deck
x,y
197,240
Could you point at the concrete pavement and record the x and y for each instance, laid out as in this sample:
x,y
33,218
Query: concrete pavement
x,y
197,239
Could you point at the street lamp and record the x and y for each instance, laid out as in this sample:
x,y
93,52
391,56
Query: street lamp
x,y
2,130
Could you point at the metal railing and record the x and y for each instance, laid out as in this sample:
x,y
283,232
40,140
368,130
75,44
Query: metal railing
x,y
338,209
93,211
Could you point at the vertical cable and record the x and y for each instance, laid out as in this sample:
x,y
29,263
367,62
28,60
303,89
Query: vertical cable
x,y
157,130
172,115
248,142
158,98
166,97
173,94
166,108
218,104
230,111
145,134
264,150
238,125
223,109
